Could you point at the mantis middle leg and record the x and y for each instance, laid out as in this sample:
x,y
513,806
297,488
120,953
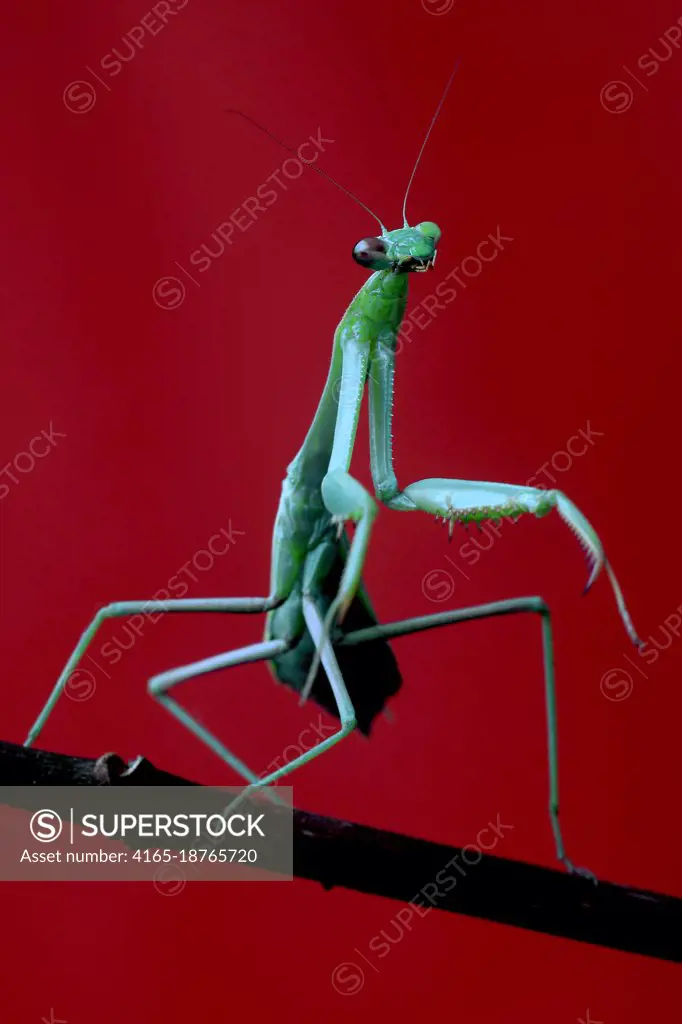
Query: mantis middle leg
x,y
514,606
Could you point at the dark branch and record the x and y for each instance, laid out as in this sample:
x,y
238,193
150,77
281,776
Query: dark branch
x,y
341,853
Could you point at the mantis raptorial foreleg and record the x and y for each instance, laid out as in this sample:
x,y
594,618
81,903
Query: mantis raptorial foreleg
x,y
348,500
469,500
344,497
477,501
514,606
123,608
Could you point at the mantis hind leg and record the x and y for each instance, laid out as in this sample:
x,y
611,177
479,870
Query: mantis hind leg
x,y
124,608
466,501
515,606
159,686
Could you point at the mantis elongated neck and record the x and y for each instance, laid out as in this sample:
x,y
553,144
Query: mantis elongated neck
x,y
382,301
372,319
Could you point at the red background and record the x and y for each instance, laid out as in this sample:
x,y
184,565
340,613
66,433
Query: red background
x,y
180,420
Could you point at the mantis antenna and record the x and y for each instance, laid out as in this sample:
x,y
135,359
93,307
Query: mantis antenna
x,y
317,170
426,139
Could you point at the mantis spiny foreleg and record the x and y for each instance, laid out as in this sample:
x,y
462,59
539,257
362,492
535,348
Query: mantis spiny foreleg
x,y
469,500
344,497
476,501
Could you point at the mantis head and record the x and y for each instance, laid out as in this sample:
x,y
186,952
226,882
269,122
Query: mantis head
x,y
406,249
401,251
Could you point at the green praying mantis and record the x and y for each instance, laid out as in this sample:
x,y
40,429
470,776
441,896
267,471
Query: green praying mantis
x,y
322,637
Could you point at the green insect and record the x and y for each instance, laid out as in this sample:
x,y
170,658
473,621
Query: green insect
x,y
322,636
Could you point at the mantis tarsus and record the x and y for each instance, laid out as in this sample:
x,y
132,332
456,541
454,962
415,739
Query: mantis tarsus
x,y
316,570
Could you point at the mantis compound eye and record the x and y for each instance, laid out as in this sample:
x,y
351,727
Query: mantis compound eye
x,y
369,251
